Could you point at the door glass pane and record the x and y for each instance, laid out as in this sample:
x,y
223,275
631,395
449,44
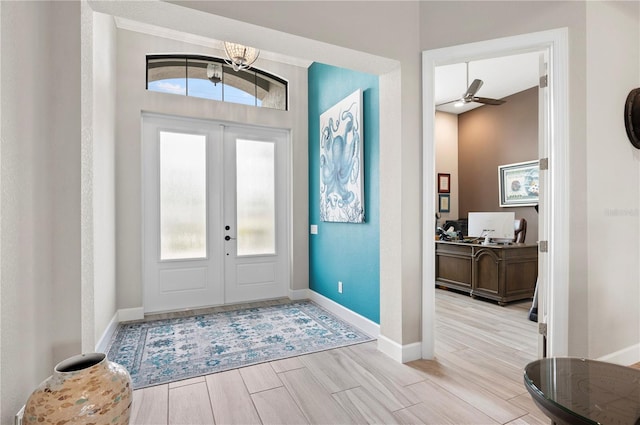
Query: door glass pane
x,y
255,189
183,196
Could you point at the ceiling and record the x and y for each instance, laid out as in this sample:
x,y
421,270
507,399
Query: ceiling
x,y
501,77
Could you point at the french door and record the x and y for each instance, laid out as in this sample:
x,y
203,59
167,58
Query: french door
x,y
214,213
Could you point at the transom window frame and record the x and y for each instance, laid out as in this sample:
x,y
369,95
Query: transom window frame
x,y
186,57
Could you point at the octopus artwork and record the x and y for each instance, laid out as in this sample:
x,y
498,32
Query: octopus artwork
x,y
341,171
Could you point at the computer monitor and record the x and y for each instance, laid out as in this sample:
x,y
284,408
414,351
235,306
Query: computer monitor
x,y
498,226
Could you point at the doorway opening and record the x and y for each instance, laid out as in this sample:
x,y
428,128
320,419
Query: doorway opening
x,y
487,120
553,220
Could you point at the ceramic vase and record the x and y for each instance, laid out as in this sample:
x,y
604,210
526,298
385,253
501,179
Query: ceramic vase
x,y
84,389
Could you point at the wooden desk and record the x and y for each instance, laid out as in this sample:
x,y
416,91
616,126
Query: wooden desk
x,y
502,273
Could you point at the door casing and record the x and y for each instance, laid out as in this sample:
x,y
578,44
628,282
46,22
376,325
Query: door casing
x,y
215,234
554,212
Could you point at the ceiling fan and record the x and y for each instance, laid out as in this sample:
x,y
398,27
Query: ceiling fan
x,y
470,95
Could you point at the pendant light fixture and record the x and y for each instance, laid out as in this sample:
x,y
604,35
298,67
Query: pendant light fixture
x,y
214,73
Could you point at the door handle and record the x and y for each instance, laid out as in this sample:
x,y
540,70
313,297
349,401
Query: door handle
x,y
228,238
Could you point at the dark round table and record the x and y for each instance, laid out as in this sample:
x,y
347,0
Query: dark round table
x,y
580,391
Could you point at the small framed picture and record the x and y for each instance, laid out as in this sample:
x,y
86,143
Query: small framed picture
x,y
443,203
519,184
444,183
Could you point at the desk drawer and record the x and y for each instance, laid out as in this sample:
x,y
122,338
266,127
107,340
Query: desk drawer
x,y
454,270
452,249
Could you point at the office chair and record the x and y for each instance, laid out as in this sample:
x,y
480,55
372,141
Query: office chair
x,y
520,230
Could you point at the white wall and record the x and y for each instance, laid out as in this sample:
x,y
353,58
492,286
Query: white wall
x,y
64,178
40,159
1,201
490,20
367,30
603,36
432,21
613,194
97,180
299,29
446,146
39,233
103,199
133,98
26,208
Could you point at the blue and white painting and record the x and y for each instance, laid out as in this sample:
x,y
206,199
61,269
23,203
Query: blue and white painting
x,y
341,168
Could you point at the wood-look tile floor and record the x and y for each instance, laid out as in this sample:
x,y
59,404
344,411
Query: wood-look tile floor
x,y
476,378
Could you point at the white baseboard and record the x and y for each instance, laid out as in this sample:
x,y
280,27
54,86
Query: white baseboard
x,y
18,419
130,314
103,342
365,325
399,353
626,356
298,294
122,315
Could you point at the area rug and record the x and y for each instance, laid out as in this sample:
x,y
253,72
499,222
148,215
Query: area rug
x,y
161,351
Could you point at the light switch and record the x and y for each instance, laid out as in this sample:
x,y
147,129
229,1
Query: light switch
x,y
314,229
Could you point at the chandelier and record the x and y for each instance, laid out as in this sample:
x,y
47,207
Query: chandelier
x,y
240,56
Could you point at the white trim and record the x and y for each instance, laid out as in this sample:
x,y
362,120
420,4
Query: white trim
x,y
298,294
626,356
18,419
555,218
365,325
207,25
399,353
130,314
164,32
103,342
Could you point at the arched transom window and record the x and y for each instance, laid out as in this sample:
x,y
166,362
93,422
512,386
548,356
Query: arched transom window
x,y
212,78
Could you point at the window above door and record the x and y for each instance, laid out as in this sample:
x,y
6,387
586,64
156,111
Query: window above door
x,y
212,78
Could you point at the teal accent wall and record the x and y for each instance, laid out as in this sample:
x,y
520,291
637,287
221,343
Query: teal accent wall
x,y
346,252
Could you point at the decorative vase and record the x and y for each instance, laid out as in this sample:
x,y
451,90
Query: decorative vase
x,y
84,389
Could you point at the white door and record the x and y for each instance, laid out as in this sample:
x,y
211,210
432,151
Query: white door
x,y
255,214
189,185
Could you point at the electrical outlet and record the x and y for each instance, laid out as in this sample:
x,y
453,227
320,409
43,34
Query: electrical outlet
x,y
339,287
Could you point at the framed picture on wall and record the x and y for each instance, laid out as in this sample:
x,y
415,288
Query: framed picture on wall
x,y
444,183
443,203
341,161
519,184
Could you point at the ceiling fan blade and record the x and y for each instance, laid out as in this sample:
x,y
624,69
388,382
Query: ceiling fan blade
x,y
488,101
446,103
473,89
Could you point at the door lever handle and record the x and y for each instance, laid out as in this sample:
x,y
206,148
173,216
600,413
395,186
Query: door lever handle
x,y
228,238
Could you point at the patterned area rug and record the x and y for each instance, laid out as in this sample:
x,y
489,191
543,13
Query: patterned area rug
x,y
161,351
